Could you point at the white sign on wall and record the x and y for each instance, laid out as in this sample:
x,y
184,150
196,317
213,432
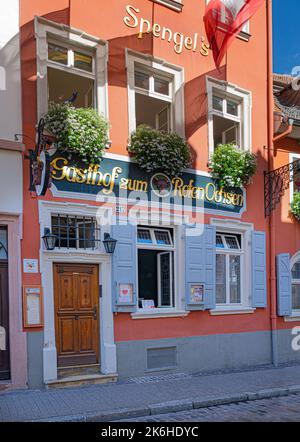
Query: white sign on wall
x,y
31,266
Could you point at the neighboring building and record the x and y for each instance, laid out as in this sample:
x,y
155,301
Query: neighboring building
x,y
13,351
283,184
166,301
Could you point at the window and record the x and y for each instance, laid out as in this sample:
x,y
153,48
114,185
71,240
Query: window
x,y
3,244
71,72
228,269
153,99
76,232
235,8
229,115
296,286
155,94
155,268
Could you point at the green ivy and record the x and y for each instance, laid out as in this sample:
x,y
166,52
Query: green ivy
x,y
295,205
80,132
157,151
232,166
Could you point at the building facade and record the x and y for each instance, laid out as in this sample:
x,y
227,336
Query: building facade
x,y
187,288
13,346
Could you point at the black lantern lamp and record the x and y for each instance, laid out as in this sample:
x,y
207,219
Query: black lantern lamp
x,y
109,244
49,240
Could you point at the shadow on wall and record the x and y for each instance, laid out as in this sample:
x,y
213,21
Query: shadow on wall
x,y
10,89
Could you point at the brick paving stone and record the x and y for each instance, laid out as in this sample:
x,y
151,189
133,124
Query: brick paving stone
x,y
264,410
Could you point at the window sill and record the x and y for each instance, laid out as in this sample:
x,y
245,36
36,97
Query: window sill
x,y
232,311
244,36
295,317
159,313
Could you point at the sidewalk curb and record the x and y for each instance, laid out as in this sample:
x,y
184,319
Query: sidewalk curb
x,y
175,406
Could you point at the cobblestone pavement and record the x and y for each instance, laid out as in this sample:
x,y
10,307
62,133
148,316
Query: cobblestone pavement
x,y
283,409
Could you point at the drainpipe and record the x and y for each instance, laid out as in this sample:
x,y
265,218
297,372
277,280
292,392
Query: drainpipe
x,y
272,244
286,132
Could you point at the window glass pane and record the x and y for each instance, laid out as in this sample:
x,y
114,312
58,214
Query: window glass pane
x,y
220,244
232,242
3,244
144,236
162,238
232,108
235,279
163,120
142,80
296,296
218,103
147,275
161,86
75,233
83,61
164,260
58,54
296,271
221,279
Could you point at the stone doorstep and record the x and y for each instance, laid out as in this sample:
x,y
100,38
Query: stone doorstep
x,y
175,406
81,380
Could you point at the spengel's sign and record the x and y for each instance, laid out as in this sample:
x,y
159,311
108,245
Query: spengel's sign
x,y
122,179
180,42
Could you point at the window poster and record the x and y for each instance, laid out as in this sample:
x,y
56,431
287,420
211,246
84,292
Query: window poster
x,y
197,293
126,294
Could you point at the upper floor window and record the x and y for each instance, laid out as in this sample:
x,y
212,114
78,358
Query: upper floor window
x,y
71,73
153,99
229,115
176,5
295,175
296,286
156,96
70,64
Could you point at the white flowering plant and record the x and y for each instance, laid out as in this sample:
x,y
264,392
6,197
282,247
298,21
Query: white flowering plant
x,y
157,151
80,132
295,206
232,166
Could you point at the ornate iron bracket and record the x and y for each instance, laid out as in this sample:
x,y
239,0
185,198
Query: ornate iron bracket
x,y
40,169
276,183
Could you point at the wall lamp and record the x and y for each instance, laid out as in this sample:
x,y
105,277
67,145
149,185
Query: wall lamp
x,y
109,244
49,240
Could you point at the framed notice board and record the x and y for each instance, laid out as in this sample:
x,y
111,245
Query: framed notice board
x,y
33,307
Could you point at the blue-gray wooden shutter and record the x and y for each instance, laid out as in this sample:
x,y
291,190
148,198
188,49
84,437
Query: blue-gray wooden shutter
x,y
124,265
284,285
259,270
201,267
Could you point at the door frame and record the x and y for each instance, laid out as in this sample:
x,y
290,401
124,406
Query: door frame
x,y
17,337
108,349
56,285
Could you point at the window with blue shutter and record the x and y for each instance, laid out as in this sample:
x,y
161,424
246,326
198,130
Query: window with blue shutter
x,y
259,270
124,269
201,269
284,285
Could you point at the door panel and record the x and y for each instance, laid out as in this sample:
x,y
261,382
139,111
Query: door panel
x,y
4,321
77,314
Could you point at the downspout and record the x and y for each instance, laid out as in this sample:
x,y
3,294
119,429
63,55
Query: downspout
x,y
272,244
286,132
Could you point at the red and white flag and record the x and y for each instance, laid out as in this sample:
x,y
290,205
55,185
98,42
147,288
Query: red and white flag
x,y
224,19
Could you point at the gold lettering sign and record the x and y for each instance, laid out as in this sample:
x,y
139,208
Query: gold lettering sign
x,y
180,41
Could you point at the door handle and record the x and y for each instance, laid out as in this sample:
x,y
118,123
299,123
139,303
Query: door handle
x,y
95,313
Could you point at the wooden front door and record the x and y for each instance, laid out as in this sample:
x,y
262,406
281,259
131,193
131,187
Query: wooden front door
x,y
76,293
4,323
